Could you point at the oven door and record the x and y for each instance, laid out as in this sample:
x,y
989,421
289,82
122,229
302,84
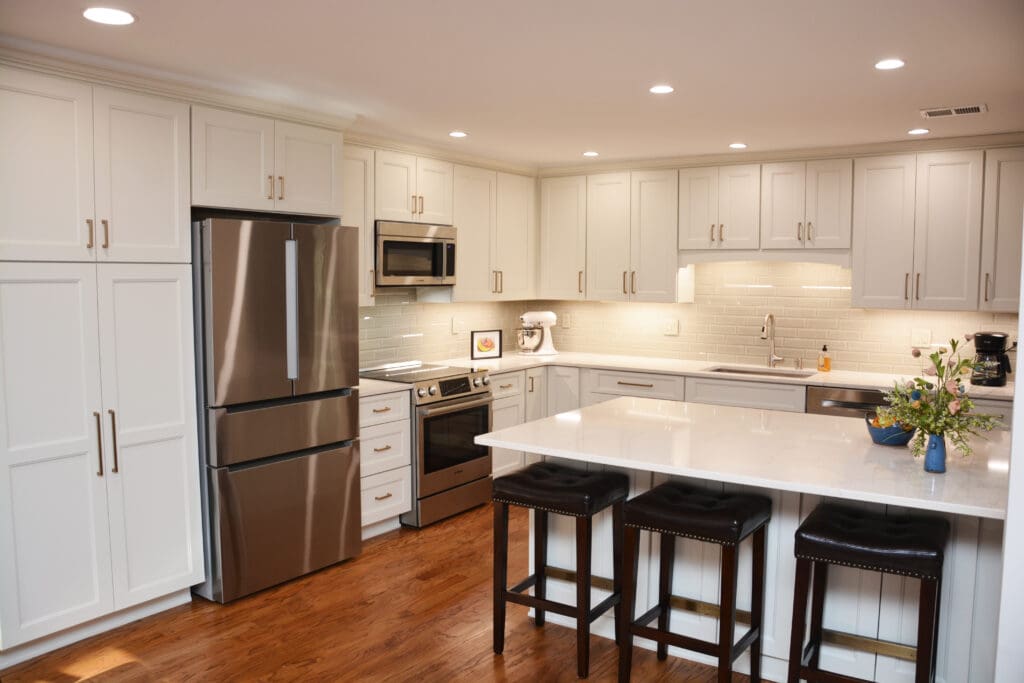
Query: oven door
x,y
445,453
414,261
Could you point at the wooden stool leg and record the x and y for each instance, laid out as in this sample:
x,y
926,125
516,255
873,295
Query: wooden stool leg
x,y
540,560
629,572
757,604
617,527
927,625
727,613
500,573
799,628
583,534
818,610
668,555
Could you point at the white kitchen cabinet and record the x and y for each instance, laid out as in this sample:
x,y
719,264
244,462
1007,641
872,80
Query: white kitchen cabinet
x,y
385,456
563,238
508,410
608,237
251,162
603,385
747,394
384,447
385,495
536,402
1003,218
654,215
515,240
1001,409
719,207
411,188
563,390
99,518
357,210
806,204
475,215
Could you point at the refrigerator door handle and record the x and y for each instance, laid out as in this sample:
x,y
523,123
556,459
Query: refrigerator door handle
x,y
291,306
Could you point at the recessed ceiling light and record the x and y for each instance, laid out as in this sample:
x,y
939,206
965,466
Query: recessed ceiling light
x,y
590,154
918,131
662,89
889,64
109,15
457,134
738,145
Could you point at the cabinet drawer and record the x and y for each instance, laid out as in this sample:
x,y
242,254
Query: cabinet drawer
x,y
374,410
385,447
508,384
723,392
386,495
634,384
1001,409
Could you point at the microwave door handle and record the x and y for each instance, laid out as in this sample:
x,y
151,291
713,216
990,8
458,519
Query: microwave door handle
x,y
291,307
461,405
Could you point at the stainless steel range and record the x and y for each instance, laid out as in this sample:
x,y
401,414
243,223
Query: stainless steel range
x,y
451,406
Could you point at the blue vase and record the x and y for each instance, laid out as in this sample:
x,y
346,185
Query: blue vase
x,y
935,454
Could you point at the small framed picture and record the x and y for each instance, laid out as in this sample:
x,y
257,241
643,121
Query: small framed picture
x,y
485,344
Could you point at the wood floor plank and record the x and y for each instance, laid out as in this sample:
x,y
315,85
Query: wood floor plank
x,y
414,606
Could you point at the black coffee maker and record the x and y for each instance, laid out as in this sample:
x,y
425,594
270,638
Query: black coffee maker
x,y
991,365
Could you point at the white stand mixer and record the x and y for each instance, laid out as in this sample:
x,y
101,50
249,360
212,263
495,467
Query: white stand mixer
x,y
535,336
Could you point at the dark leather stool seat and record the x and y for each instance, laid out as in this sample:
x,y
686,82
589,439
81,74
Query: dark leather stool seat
x,y
679,509
898,544
549,488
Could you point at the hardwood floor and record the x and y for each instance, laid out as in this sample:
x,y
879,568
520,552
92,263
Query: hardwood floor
x,y
415,606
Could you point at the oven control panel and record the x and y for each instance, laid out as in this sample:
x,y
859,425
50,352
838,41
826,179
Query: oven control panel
x,y
446,388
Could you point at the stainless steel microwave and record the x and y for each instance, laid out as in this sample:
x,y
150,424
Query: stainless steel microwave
x,y
414,254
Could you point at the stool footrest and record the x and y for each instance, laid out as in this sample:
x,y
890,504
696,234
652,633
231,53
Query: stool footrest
x,y
529,582
604,606
685,642
540,603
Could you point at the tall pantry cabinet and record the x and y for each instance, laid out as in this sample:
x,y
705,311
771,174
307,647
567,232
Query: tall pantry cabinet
x,y
98,444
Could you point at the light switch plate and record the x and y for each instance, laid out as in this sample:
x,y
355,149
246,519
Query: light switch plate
x,y
566,320
458,325
670,327
920,337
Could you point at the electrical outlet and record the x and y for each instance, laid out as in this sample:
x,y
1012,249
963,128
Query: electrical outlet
x,y
566,321
458,325
670,327
920,337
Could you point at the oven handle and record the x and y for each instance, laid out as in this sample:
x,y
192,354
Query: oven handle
x,y
430,411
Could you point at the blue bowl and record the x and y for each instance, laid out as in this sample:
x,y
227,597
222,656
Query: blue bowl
x,y
893,435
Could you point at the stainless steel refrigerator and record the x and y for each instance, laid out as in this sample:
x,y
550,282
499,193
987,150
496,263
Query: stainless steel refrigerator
x,y
278,334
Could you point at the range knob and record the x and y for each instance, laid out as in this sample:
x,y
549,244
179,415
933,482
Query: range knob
x,y
421,392
476,382
432,391
486,380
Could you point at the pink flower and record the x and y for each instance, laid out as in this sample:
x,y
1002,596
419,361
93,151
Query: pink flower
x,y
916,353
950,363
954,407
910,385
951,386
930,371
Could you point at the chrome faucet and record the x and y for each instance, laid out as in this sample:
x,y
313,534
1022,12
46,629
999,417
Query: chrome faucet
x,y
768,332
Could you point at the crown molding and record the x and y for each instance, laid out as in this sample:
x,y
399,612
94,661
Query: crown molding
x,y
420,149
1015,139
65,63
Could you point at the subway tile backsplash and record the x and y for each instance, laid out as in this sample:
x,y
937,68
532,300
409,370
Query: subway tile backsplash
x,y
811,303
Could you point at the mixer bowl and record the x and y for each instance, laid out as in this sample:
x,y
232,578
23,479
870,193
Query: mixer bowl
x,y
529,339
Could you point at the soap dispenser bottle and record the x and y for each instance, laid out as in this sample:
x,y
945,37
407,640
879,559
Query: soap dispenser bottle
x,y
824,360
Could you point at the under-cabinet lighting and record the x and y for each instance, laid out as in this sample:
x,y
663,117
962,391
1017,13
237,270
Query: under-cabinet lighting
x,y
826,287
109,16
741,286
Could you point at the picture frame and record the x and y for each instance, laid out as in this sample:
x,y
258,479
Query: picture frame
x,y
484,344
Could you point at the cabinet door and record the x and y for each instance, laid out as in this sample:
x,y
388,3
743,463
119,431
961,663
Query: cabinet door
x,y
46,171
395,186
514,239
1001,230
232,160
947,230
307,161
54,537
883,231
654,259
739,206
698,208
357,210
563,389
782,205
536,403
506,412
156,535
608,237
563,237
142,177
434,183
829,207
475,219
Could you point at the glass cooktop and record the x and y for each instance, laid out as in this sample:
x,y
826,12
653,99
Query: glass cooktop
x,y
412,372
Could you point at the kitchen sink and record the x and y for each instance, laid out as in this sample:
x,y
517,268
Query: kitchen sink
x,y
759,372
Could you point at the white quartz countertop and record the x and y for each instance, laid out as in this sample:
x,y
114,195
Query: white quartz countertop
x,y
805,453
699,368
372,387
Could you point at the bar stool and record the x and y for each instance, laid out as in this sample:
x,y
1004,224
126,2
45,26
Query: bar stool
x,y
834,534
678,509
549,488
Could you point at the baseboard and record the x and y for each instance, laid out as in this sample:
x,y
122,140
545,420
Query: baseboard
x,y
371,530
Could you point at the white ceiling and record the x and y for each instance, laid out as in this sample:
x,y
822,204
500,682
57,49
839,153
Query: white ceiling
x,y
537,82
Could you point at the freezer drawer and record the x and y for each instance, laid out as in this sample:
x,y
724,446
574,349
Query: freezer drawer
x,y
285,518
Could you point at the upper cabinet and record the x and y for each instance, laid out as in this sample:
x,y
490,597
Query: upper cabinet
x,y
357,210
91,173
515,238
563,237
411,188
719,207
1001,230
917,231
654,265
250,162
806,204
608,237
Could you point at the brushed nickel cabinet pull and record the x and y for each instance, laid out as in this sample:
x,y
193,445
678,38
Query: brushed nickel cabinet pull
x,y
270,185
494,284
712,232
280,193
421,205
382,450
800,231
632,281
414,205
385,409
92,234
505,386
721,232
531,384
384,497
906,287
579,281
99,441
635,384
917,288
625,274
810,235
113,437
501,282
986,286
106,233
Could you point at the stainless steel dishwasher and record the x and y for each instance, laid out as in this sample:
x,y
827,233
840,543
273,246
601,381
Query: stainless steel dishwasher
x,y
843,401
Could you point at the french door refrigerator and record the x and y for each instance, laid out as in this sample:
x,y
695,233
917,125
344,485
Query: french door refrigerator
x,y
278,333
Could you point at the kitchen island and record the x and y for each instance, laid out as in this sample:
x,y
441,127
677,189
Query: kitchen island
x,y
797,459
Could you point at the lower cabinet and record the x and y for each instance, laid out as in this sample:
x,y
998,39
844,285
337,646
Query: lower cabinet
x,y
385,459
747,394
603,385
1001,409
563,390
508,410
